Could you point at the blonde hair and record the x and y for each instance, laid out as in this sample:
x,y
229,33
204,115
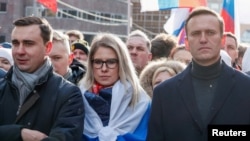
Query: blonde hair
x,y
63,38
127,71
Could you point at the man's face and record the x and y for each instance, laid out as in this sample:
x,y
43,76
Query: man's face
x,y
80,55
60,58
231,48
139,52
29,51
204,39
72,38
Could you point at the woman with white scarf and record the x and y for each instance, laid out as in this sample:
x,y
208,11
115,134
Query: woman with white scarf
x,y
116,106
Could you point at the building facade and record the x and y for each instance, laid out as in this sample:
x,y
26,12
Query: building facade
x,y
88,16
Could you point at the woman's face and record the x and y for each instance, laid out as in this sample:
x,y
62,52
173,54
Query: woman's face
x,y
160,77
105,64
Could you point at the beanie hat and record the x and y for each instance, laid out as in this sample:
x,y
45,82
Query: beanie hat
x,y
80,44
6,53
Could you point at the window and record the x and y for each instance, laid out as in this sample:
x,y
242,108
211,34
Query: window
x,y
2,38
3,7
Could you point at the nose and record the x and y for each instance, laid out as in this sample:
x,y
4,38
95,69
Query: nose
x,y
133,51
104,67
20,49
203,38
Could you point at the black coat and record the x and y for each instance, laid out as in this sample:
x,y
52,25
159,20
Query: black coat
x,y
175,115
54,107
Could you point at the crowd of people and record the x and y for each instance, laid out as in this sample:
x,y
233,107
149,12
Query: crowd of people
x,y
55,86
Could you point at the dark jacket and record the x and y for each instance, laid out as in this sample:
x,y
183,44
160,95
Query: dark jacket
x,y
175,115
78,71
54,107
2,73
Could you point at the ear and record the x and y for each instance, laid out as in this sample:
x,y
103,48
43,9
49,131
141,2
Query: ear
x,y
223,41
187,44
48,47
71,57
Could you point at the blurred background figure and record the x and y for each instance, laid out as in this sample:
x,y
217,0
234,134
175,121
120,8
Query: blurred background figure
x,y
74,35
6,59
241,51
116,106
61,58
139,47
245,62
231,47
180,53
157,71
162,45
225,57
80,49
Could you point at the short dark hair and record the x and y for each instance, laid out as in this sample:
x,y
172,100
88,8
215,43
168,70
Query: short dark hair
x,y
162,45
205,11
45,27
230,34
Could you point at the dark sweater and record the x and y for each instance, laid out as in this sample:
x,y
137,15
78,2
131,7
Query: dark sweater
x,y
205,80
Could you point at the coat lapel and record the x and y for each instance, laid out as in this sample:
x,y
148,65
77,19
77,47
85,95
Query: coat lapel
x,y
187,93
222,91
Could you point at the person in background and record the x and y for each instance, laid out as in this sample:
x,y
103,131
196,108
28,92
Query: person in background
x,y
139,47
158,71
180,53
117,108
241,51
37,104
162,45
80,49
225,57
6,59
74,35
61,58
231,47
207,92
245,61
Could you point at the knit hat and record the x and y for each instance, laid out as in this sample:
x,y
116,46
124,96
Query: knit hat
x,y
80,44
6,53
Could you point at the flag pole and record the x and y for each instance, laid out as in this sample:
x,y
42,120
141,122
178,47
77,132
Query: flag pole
x,y
35,8
129,18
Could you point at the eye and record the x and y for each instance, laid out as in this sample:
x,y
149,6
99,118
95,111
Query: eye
x,y
210,32
112,61
96,61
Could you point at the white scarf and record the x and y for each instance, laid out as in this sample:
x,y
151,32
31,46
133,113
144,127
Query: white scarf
x,y
123,118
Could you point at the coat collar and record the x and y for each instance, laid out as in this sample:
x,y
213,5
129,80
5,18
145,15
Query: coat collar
x,y
223,91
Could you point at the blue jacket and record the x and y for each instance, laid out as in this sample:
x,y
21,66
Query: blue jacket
x,y
2,73
55,107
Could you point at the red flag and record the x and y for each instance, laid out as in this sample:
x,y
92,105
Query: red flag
x,y
227,14
50,4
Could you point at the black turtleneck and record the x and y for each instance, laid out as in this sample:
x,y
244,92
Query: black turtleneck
x,y
205,80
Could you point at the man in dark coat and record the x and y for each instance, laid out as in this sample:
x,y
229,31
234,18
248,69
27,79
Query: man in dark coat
x,y
207,92
35,103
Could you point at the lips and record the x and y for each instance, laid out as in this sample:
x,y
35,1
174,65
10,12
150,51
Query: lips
x,y
21,61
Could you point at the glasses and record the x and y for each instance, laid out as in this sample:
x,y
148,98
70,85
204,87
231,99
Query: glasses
x,y
110,63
